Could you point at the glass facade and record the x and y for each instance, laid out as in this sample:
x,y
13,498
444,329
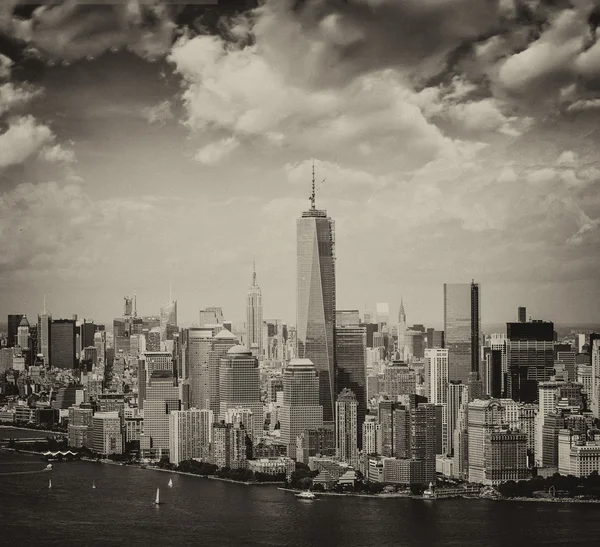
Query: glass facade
x,y
530,358
239,384
462,328
351,371
316,301
62,343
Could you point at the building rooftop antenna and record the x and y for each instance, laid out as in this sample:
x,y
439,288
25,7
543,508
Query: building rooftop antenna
x,y
312,195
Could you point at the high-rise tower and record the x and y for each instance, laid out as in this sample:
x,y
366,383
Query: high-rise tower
x,y
254,317
462,328
316,299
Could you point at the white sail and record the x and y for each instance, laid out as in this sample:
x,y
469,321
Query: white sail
x,y
49,483
170,483
157,501
93,484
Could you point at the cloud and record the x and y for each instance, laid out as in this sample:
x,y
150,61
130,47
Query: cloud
x,y
75,29
12,96
213,153
241,92
57,154
567,158
158,114
5,67
584,104
23,138
332,175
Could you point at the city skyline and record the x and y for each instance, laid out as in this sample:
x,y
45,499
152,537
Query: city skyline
x,y
118,173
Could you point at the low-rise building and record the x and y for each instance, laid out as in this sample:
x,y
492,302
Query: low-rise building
x,y
273,466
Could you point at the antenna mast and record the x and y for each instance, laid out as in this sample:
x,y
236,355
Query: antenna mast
x,y
312,195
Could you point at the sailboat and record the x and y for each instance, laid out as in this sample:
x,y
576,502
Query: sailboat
x,y
49,483
93,485
170,483
157,500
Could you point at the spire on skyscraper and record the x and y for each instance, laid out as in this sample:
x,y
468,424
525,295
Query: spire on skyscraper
x,y
254,270
401,313
312,195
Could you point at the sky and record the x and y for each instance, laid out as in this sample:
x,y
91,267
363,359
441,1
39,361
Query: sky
x,y
145,143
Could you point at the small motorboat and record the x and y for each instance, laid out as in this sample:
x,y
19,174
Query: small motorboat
x,y
49,467
170,483
306,495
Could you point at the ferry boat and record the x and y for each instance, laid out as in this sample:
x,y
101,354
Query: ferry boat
x,y
306,495
429,494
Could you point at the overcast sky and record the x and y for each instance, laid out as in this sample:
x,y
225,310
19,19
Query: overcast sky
x,y
458,139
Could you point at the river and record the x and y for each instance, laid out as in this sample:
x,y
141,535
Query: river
x,y
197,511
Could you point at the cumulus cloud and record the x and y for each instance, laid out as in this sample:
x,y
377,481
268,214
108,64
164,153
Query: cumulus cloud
x,y
240,91
5,67
333,175
158,114
23,138
12,96
57,154
73,29
213,153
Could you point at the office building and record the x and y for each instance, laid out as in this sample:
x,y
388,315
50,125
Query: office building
x,y
315,325
196,345
211,316
254,318
595,393
347,318
462,329
190,433
436,367
220,345
399,379
522,314
484,418
530,358
351,370
106,435
44,336
62,343
153,339
346,427
315,442
168,320
301,407
239,383
14,320
162,397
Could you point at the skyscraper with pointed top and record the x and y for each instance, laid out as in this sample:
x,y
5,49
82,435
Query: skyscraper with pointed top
x,y
402,331
168,318
315,334
254,317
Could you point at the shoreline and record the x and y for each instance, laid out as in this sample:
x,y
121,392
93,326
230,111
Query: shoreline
x,y
5,426
318,494
353,495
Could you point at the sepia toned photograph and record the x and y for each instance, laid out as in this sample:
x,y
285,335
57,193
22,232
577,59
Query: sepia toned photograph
x,y
299,273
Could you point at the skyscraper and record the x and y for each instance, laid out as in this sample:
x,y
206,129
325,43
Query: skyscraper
x,y
254,317
211,316
162,396
530,358
301,408
44,336
14,320
196,344
402,331
351,368
436,366
219,346
462,328
63,343
522,314
239,382
346,444
316,299
168,320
